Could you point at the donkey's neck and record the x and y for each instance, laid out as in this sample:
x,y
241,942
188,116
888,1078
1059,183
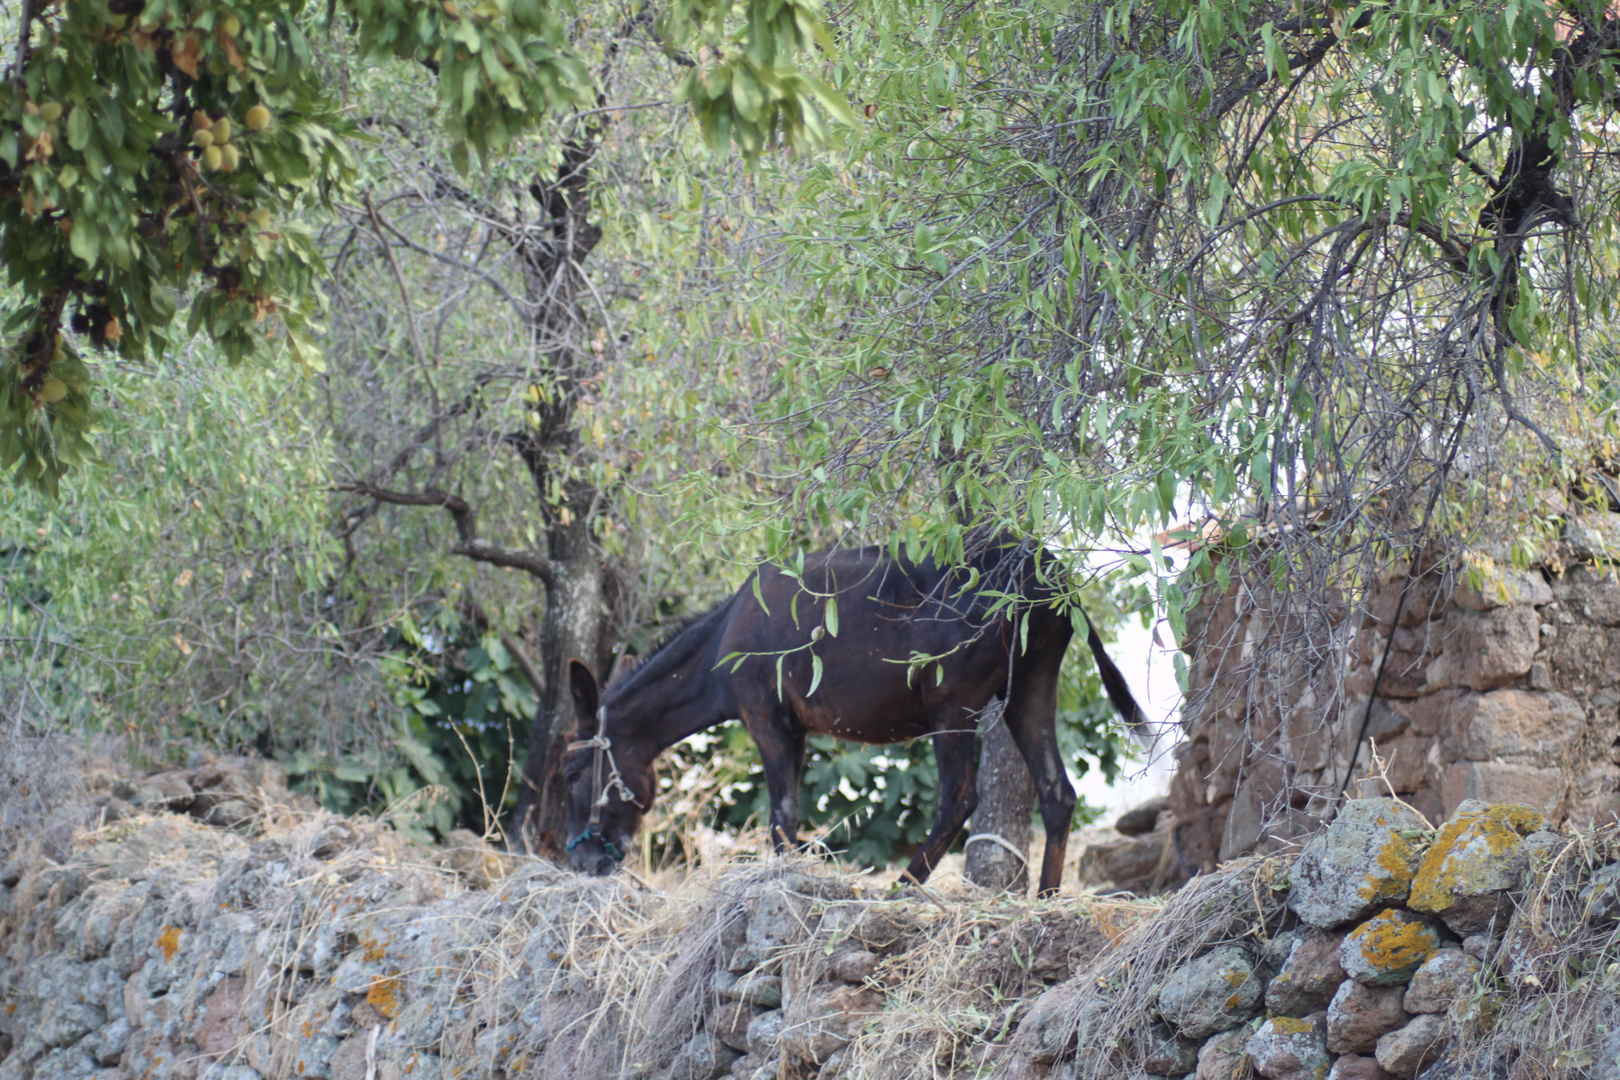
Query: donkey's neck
x,y
656,710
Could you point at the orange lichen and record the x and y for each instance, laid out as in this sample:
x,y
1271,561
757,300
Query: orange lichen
x,y
168,942
1396,859
1235,977
374,950
384,995
1287,1025
1388,942
1468,843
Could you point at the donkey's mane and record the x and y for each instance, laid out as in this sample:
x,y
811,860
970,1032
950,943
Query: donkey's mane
x,y
675,649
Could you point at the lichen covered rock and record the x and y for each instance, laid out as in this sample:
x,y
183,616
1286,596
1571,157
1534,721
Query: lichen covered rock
x,y
1475,860
1219,990
1388,947
1444,979
1364,861
1288,1049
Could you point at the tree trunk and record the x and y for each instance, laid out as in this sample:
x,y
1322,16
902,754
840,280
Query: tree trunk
x,y
1006,801
572,629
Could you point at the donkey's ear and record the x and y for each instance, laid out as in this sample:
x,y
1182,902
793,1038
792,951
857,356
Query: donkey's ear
x,y
586,697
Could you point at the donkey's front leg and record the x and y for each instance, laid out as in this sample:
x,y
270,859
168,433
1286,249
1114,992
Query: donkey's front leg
x,y
781,752
958,797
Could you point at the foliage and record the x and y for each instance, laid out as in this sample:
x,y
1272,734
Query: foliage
x,y
160,151
461,709
1329,282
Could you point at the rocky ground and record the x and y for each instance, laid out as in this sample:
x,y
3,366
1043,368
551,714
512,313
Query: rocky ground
x,y
200,923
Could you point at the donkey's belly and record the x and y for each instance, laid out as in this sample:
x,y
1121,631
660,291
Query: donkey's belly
x,y
873,717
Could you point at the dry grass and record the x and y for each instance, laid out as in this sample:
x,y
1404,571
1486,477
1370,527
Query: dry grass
x,y
1544,1005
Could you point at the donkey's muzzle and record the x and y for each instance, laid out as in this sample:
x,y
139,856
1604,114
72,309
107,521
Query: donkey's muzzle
x,y
589,858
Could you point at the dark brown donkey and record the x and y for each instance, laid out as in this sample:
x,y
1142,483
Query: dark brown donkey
x,y
857,645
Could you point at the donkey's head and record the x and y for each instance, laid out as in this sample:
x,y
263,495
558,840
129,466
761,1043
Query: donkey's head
x,y
610,784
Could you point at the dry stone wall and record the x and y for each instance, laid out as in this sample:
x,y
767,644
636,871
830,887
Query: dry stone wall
x,y
267,941
1506,690
1485,949
194,939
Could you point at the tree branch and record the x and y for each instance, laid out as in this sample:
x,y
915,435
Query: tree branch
x,y
514,558
466,520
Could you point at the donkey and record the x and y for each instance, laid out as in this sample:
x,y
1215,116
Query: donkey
x,y
860,645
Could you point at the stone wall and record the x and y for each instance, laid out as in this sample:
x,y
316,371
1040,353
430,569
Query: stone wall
x,y
198,925
1478,950
1504,690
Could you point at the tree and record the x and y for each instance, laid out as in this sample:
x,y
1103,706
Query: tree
x,y
1332,282
155,149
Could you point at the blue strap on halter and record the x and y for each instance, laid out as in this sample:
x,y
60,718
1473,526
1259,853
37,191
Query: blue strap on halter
x,y
594,832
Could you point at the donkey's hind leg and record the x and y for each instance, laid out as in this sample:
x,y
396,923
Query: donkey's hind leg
x,y
958,795
1031,718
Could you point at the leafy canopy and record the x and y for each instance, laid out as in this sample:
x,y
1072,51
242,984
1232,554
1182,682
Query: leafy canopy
x,y
158,155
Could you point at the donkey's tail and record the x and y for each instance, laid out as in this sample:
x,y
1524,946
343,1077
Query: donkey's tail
x,y
1119,691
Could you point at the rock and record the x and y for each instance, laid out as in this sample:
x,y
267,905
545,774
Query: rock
x,y
1475,859
852,965
1478,946
1485,650
764,991
1500,586
1444,978
833,1067
730,1025
1223,1057
1600,899
1498,782
1358,864
1212,993
1289,1049
1594,535
1141,820
222,1025
746,1066
1406,1050
1388,947
777,922
1169,1054
229,814
1356,1067
704,1057
1308,976
1049,1029
826,1019
1523,727
1359,1014
764,1032
349,1060
1607,1065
